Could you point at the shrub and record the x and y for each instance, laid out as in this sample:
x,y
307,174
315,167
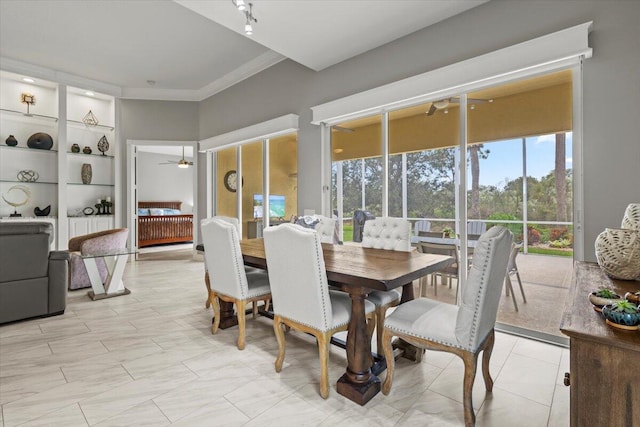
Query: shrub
x,y
533,235
558,233
560,243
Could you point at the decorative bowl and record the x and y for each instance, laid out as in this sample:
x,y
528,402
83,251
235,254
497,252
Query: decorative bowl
x,y
599,302
633,297
621,320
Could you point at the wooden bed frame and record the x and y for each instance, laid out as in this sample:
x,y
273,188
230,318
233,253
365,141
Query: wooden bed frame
x,y
154,230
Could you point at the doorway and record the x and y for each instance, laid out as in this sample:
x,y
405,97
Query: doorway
x,y
162,173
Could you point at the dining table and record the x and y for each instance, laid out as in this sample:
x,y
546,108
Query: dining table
x,y
358,271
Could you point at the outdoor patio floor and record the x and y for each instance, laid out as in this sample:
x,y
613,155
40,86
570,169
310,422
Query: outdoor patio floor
x,y
545,280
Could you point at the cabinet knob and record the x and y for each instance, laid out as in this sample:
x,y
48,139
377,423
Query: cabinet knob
x,y
567,379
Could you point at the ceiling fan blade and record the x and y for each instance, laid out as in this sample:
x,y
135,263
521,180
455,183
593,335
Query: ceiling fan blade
x,y
432,110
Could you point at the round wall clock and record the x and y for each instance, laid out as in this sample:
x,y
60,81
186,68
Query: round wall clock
x,y
231,181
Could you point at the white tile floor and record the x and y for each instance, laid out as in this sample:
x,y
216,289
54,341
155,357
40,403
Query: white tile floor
x,y
149,359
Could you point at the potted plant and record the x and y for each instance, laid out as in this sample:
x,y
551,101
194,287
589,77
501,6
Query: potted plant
x,y
623,315
448,232
633,297
602,297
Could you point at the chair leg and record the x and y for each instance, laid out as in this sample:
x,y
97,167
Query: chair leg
x,y
207,285
391,361
324,340
254,311
278,328
521,288
486,356
216,312
267,303
470,364
510,288
241,323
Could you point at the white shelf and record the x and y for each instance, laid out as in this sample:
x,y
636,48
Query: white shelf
x,y
95,128
28,116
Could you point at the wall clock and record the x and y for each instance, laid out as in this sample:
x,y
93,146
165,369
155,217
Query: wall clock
x,y
231,181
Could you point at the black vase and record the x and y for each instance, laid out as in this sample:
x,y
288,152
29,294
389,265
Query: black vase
x,y
11,141
42,212
40,141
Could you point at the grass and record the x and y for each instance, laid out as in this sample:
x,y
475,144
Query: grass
x,y
347,232
545,251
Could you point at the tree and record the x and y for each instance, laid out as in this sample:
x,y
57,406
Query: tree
x,y
561,173
476,152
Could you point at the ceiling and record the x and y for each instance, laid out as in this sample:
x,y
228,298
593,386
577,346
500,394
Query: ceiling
x,y
192,49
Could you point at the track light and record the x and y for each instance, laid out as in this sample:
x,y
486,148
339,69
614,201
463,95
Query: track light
x,y
248,14
240,4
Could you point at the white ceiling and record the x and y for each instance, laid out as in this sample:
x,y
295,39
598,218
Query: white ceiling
x,y
192,49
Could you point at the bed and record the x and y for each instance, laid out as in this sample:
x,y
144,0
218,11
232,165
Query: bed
x,y
163,222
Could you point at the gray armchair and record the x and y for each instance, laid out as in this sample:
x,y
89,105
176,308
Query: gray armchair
x,y
33,279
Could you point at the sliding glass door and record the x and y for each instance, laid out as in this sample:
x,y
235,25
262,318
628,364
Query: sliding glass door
x,y
518,174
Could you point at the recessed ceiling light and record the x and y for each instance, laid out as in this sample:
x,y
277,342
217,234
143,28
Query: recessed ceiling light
x,y
28,80
89,93
338,150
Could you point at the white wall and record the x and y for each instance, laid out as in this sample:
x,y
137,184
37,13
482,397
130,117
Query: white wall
x,y
158,182
611,91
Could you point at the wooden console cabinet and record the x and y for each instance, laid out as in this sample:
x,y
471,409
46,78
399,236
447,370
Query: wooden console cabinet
x,y
605,362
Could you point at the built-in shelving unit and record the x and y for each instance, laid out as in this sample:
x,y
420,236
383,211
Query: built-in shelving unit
x,y
58,111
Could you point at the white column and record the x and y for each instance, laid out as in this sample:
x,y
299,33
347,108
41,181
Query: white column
x,y
385,164
461,205
265,184
404,186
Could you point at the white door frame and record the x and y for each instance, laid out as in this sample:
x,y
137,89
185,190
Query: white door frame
x,y
132,179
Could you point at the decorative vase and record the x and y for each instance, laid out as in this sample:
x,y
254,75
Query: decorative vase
x,y
618,253
86,150
40,141
75,148
103,144
621,320
11,141
86,173
599,302
42,212
632,217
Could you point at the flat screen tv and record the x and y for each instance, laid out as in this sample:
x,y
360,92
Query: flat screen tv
x,y
276,206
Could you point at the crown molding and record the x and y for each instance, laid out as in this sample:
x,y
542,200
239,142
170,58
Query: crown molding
x,y
248,69
19,67
256,65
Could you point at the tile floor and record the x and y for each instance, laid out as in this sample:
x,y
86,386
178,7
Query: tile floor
x,y
149,359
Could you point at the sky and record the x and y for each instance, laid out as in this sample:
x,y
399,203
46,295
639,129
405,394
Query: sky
x,y
505,159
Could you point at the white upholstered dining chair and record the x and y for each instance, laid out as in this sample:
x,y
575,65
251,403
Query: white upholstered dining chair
x,y
464,330
229,281
301,296
392,234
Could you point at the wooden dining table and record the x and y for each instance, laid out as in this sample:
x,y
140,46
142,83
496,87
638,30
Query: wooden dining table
x,y
358,271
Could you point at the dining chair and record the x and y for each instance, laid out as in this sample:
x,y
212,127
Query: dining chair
x,y
229,281
421,225
463,330
422,283
476,227
326,227
301,296
247,269
512,268
448,273
392,234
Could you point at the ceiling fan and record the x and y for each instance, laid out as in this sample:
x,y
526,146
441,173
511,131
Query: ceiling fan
x,y
443,104
182,163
